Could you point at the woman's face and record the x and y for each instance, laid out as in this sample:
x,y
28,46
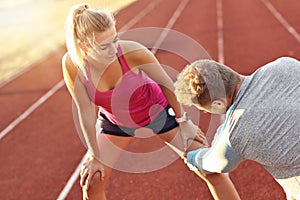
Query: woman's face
x,y
105,48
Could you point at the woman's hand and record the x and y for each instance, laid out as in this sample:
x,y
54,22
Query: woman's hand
x,y
190,132
89,168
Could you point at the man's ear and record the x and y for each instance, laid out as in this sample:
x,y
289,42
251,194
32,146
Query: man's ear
x,y
218,103
218,107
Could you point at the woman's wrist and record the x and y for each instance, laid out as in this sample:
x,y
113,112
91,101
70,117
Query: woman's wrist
x,y
93,155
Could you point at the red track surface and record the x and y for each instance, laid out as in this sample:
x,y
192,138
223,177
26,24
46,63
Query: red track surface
x,y
39,155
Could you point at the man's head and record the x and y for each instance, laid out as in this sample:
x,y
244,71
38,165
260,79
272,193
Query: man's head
x,y
208,85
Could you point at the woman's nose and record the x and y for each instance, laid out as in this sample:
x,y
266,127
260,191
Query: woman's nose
x,y
113,49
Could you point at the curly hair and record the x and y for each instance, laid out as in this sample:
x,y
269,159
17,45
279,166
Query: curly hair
x,y
204,81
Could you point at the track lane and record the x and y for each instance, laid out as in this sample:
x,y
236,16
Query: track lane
x,y
290,11
38,154
282,20
253,36
251,179
19,94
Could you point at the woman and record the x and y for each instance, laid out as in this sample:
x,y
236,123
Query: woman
x,y
131,89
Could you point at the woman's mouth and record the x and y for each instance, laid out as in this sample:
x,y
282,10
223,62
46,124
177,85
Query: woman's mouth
x,y
112,57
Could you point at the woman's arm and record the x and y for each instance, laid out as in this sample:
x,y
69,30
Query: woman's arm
x,y
87,119
140,57
144,60
86,113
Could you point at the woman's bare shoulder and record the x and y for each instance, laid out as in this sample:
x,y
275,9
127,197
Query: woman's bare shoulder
x,y
129,46
70,71
67,63
136,52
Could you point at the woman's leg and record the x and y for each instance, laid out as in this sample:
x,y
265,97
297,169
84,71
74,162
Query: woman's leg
x,y
111,148
219,185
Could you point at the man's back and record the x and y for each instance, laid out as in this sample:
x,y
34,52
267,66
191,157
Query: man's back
x,y
268,131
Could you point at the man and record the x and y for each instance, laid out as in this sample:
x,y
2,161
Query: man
x,y
262,117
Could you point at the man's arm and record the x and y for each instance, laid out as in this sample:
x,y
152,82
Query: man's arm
x,y
219,158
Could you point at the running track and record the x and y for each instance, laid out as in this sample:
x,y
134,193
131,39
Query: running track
x,y
39,147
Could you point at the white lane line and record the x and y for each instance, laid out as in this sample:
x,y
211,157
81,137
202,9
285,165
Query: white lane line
x,y
220,27
170,24
281,19
25,114
220,31
138,17
64,193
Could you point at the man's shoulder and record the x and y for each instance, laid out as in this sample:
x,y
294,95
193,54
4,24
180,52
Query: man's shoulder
x,y
282,65
287,59
285,62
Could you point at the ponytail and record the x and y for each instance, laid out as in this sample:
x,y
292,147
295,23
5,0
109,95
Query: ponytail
x,y
81,24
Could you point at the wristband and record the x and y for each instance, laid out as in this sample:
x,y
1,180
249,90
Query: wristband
x,y
184,118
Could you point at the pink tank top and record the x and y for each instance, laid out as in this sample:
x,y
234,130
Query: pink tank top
x,y
134,102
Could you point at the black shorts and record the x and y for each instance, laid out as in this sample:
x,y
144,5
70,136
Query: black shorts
x,y
164,122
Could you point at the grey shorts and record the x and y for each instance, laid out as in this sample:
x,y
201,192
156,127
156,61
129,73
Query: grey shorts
x,y
164,122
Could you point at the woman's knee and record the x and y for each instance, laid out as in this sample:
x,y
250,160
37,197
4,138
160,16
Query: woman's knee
x,y
96,188
96,180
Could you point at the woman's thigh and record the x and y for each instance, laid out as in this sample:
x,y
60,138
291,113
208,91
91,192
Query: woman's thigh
x,y
174,138
111,147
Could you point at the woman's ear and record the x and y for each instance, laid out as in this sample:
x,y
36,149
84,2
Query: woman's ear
x,y
83,47
218,107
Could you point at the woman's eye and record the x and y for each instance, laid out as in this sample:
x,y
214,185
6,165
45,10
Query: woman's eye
x,y
102,47
116,40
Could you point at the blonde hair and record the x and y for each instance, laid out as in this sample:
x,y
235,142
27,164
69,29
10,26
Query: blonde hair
x,y
81,25
204,81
